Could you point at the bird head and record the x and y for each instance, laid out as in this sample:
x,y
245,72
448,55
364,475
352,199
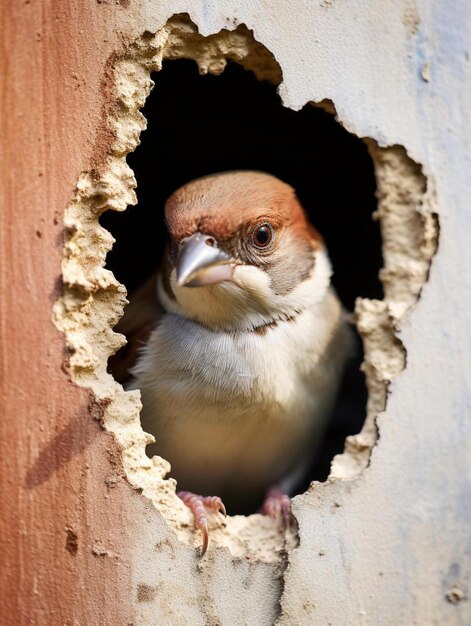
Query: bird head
x,y
241,252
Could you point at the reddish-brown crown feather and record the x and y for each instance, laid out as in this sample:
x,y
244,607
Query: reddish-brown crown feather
x,y
219,204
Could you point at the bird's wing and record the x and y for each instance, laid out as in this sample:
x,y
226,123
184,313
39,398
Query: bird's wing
x,y
139,319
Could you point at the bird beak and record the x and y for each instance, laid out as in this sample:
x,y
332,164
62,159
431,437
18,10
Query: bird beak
x,y
200,262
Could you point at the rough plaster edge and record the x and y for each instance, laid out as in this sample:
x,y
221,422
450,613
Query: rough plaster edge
x,y
93,301
409,232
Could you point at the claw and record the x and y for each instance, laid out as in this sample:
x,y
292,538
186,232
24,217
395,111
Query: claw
x,y
203,526
197,505
215,503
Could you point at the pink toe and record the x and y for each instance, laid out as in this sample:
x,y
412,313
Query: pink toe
x,y
215,503
198,505
278,506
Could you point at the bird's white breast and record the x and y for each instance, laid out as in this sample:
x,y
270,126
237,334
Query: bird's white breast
x,y
240,406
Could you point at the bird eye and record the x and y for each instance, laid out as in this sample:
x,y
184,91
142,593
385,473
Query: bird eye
x,y
262,236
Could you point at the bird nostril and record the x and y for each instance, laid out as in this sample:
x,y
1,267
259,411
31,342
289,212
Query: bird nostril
x,y
210,242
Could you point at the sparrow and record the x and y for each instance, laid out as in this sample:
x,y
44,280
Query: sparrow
x,y
238,344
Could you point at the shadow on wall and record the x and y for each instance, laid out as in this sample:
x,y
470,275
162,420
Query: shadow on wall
x,y
198,125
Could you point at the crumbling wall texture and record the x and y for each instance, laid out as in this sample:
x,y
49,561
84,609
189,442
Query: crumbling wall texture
x,y
93,531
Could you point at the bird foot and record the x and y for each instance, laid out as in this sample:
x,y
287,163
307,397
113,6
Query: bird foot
x,y
278,506
198,506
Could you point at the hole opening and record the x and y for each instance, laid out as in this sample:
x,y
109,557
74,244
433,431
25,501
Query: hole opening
x,y
199,125
92,299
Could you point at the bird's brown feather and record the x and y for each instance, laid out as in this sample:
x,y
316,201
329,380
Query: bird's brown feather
x,y
217,205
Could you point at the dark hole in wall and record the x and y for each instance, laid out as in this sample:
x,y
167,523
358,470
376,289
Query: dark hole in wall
x,y
203,124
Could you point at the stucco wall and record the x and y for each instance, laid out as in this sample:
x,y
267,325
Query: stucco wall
x,y
388,546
